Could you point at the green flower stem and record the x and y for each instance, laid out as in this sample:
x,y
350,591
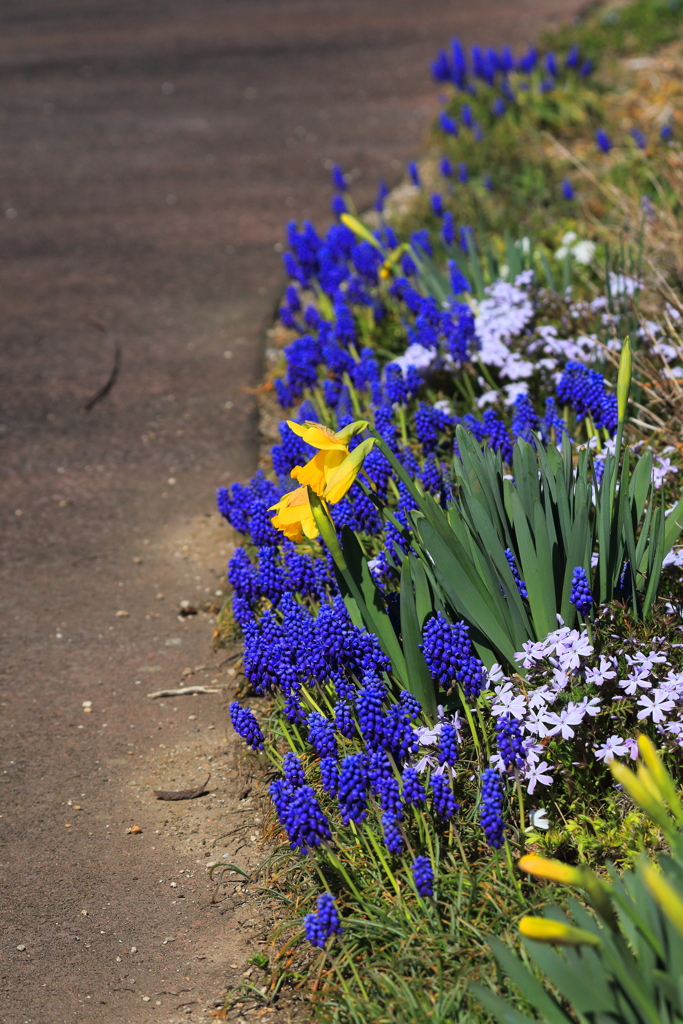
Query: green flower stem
x,y
355,402
401,412
385,864
339,866
522,813
486,374
470,719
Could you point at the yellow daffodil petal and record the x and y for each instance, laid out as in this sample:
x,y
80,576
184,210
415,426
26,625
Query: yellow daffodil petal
x,y
320,436
345,474
541,929
317,435
553,870
294,516
316,472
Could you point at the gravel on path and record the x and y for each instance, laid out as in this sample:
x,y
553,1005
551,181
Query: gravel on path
x,y
149,154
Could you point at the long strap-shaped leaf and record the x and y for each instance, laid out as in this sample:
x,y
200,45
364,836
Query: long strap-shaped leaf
x,y
536,568
453,574
418,680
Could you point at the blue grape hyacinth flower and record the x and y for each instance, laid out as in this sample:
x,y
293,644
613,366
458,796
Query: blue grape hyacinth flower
x,y
324,923
423,876
580,595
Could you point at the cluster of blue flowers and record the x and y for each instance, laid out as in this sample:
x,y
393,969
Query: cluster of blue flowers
x,y
245,725
324,923
491,809
585,391
423,876
496,69
581,596
447,649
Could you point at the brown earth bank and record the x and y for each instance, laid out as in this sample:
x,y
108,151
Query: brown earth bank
x,y
149,154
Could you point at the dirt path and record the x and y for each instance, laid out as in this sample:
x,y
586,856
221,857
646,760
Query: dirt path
x,y
149,154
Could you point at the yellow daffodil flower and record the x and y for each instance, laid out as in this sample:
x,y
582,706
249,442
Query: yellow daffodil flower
x,y
334,449
317,472
294,516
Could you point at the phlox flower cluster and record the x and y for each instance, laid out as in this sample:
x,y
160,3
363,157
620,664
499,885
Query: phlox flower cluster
x,y
576,706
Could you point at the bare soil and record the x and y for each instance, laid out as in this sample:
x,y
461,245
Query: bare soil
x,y
149,154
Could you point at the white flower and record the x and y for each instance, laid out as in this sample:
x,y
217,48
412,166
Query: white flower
x,y
655,706
539,819
597,676
640,677
507,702
539,697
613,747
488,398
583,252
415,355
661,470
534,723
620,284
443,405
536,774
562,723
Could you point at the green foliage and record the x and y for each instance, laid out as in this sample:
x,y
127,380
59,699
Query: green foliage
x,y
636,27
624,963
548,519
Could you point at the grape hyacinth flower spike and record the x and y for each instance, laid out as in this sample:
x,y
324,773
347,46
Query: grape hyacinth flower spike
x,y
491,810
580,595
245,725
423,876
603,141
324,923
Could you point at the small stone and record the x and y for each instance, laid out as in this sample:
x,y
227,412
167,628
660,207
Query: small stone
x,y
86,705
134,831
145,999
121,614
21,948
84,913
133,949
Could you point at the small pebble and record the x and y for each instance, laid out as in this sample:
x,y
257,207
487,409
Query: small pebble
x,y
21,948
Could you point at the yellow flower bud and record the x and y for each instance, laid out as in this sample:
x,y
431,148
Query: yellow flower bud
x,y
667,898
553,870
541,929
359,229
345,474
624,378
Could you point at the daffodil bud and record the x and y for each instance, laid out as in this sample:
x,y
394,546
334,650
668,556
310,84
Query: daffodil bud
x,y
359,229
555,933
552,870
624,378
659,775
640,794
667,898
342,478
